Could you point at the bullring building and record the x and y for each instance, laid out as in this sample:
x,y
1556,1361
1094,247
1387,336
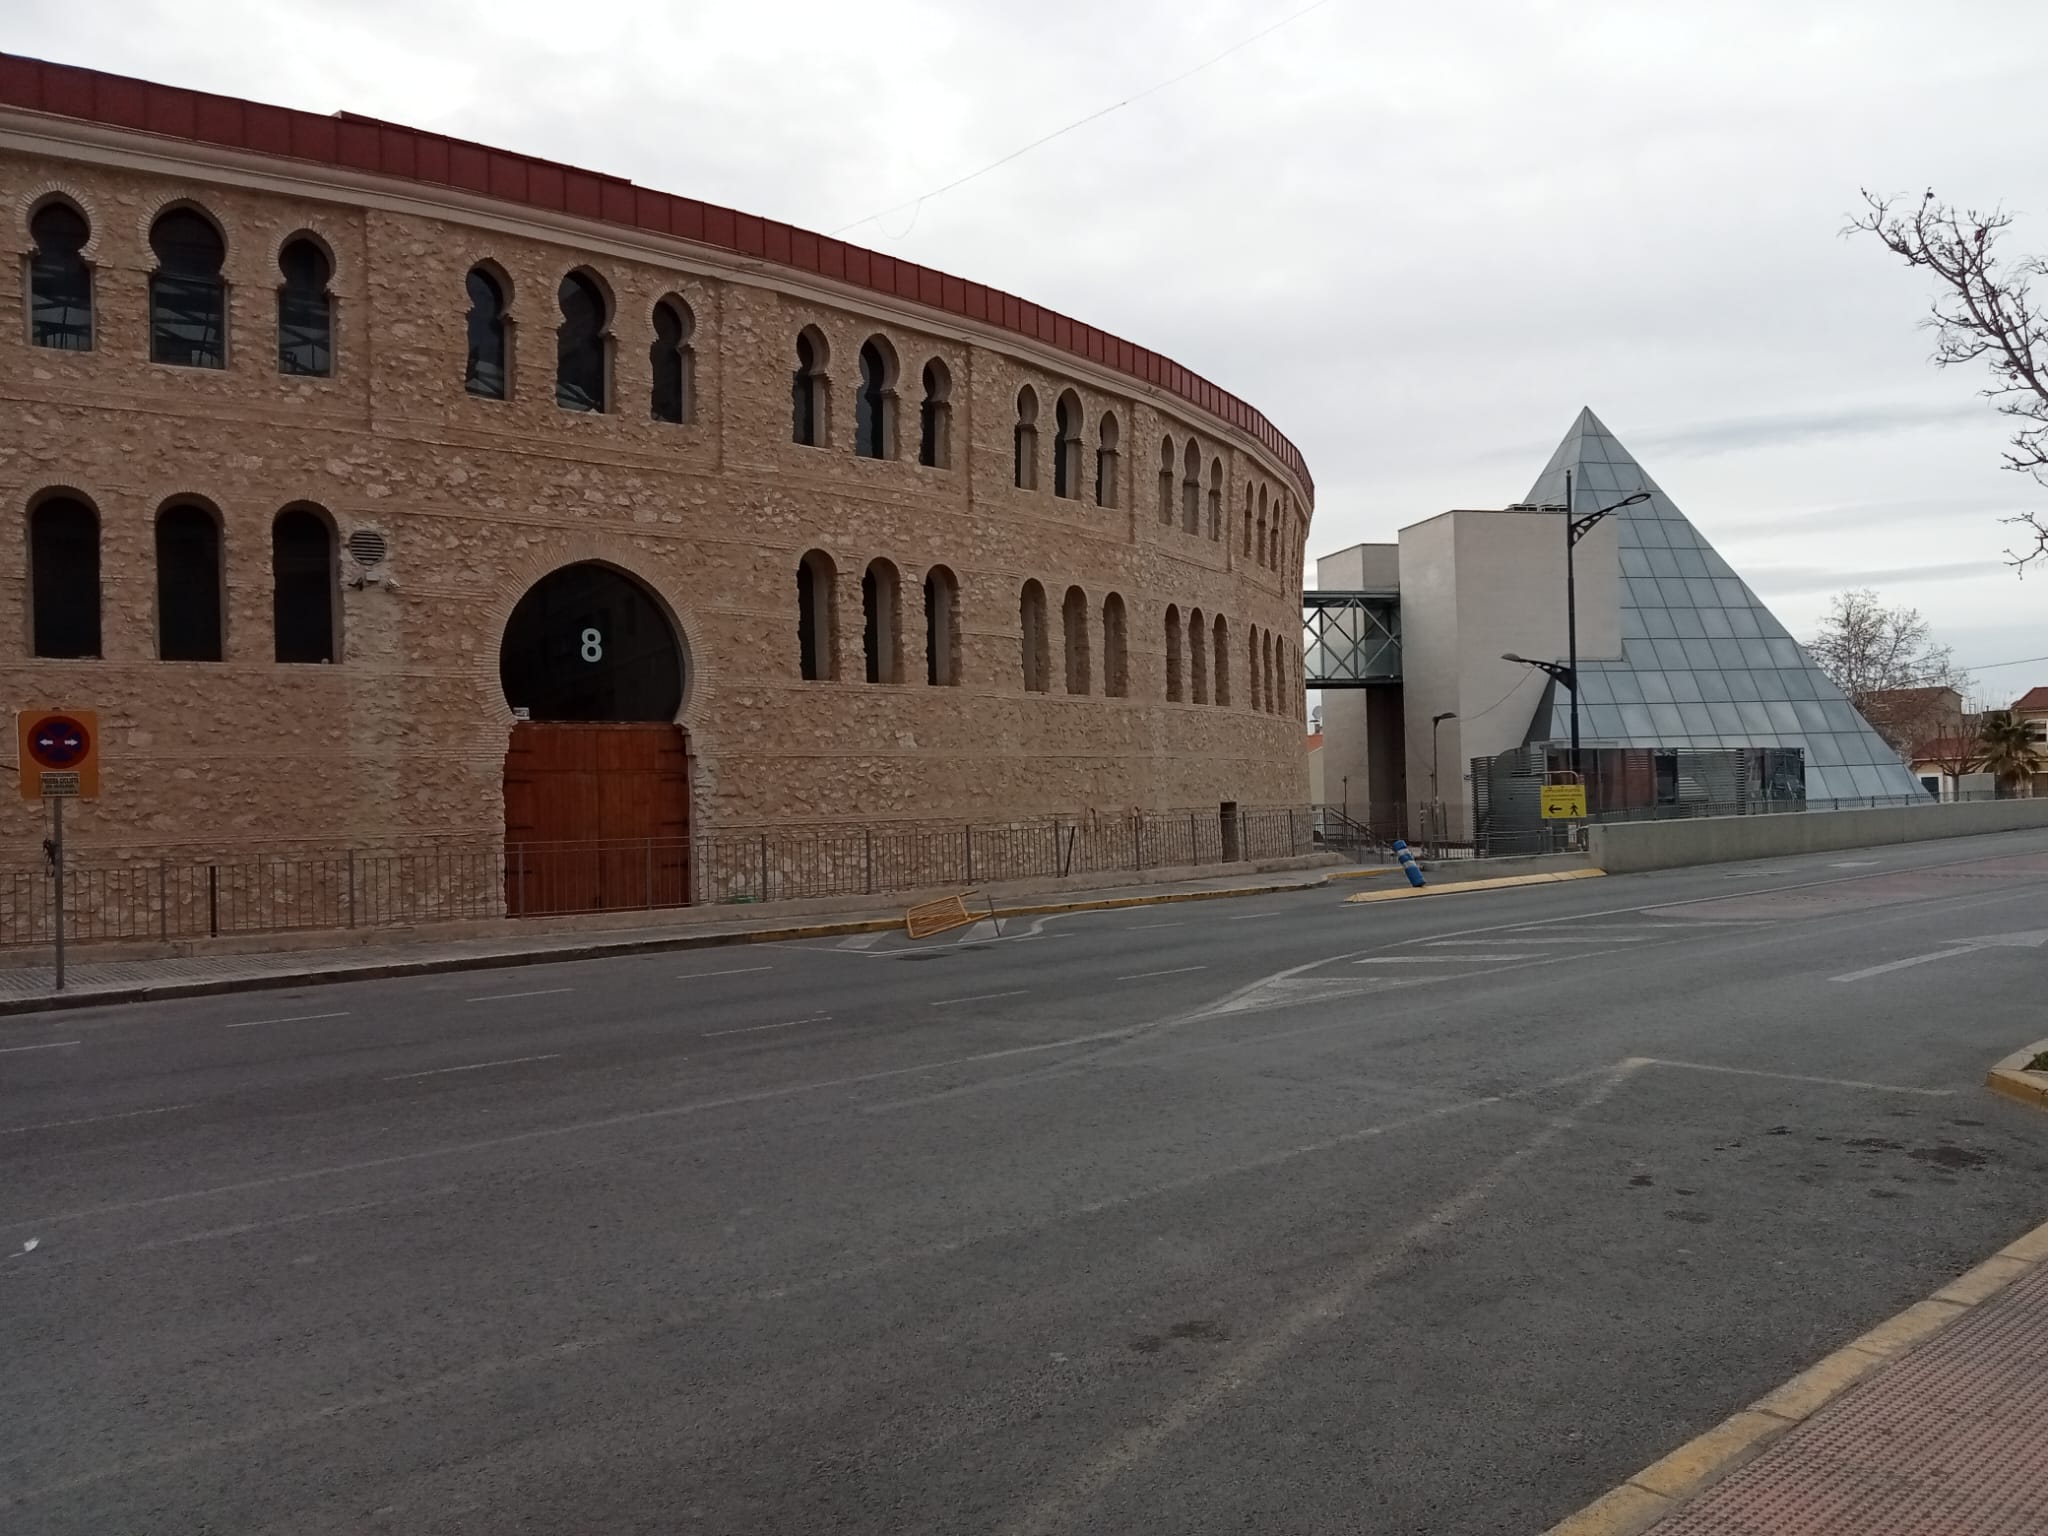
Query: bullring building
x,y
378,487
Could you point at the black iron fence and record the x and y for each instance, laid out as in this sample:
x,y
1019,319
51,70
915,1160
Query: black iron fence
x,y
167,895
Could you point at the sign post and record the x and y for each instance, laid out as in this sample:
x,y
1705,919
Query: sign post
x,y
59,760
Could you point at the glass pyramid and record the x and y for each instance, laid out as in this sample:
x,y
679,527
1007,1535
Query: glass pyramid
x,y
1704,663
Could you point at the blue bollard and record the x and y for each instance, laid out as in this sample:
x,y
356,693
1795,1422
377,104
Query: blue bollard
x,y
1408,864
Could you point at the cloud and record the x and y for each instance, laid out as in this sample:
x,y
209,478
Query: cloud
x,y
1371,224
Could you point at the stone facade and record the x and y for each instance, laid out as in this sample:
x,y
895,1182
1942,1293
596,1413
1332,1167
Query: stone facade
x,y
405,736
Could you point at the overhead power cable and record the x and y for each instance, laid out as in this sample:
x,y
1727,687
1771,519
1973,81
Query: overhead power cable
x,y
922,198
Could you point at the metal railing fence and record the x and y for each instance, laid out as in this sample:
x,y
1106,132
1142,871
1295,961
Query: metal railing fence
x,y
168,895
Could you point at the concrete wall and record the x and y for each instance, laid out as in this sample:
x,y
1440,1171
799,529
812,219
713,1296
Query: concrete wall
x,y
1475,584
1629,847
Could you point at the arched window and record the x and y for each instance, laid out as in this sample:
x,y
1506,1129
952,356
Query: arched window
x,y
817,617
1116,649
1066,446
1262,526
1198,658
188,584
1248,520
881,622
1222,654
1166,481
672,365
59,281
305,311
1271,676
1174,686
488,371
64,578
810,394
941,628
874,420
1031,617
1074,634
582,347
935,418
1105,460
1026,478
1251,670
1191,490
302,577
188,310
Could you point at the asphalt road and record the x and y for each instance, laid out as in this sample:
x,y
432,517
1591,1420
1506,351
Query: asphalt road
x,y
1272,1215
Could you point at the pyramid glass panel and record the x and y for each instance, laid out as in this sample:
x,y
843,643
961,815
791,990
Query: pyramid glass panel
x,y
1747,682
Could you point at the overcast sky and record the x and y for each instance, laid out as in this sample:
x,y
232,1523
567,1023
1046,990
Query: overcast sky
x,y
1418,237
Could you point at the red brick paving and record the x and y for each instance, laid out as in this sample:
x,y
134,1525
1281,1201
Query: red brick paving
x,y
1950,1440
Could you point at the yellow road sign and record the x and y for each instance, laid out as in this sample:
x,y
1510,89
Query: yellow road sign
x,y
1564,802
59,753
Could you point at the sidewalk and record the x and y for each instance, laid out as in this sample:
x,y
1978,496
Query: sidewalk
x,y
1928,1425
90,982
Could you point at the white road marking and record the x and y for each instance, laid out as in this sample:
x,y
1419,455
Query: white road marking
x,y
1856,864
474,1066
506,997
1434,959
1136,926
126,1114
1590,936
1797,1077
979,997
1899,965
1245,917
1178,970
295,1018
745,970
54,1045
1242,1365
755,1029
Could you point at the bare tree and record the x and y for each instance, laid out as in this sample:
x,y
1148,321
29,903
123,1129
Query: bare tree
x,y
1985,312
1886,662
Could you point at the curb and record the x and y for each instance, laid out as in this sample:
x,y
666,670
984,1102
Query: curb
x,y
596,950
1550,877
1661,1487
2013,1080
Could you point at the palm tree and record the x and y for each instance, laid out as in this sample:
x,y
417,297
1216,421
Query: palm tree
x,y
2008,753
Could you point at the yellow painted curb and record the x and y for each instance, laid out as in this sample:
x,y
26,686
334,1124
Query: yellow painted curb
x,y
1500,884
2011,1078
1664,1485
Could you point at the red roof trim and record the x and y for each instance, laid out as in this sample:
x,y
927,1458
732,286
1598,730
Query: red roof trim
x,y
352,142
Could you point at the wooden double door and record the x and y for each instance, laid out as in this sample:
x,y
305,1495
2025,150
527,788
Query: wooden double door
x,y
597,818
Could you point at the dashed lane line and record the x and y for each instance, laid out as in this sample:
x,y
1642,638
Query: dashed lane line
x,y
755,1029
506,997
474,1066
1178,970
294,1018
978,997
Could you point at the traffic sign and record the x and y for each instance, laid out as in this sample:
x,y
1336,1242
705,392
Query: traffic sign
x,y
59,753
1564,802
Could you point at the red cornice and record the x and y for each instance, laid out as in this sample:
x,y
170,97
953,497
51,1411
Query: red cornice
x,y
430,159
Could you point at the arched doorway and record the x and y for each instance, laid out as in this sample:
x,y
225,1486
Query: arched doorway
x,y
597,797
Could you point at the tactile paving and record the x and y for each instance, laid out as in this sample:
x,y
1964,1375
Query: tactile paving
x,y
1951,1440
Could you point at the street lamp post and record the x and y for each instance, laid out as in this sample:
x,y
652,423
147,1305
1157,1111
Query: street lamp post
x,y
1575,529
